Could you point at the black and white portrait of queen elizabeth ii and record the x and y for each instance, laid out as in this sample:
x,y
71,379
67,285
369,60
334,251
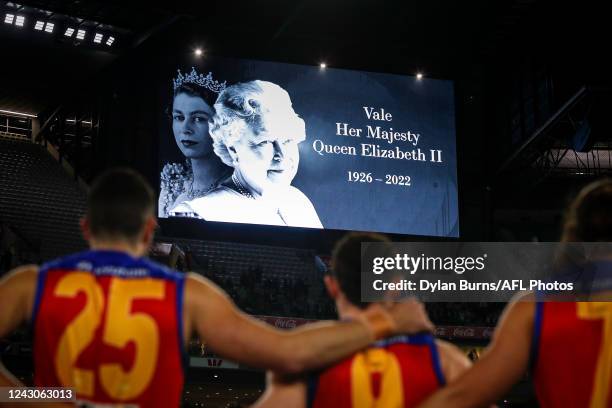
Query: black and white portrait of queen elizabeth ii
x,y
256,132
193,97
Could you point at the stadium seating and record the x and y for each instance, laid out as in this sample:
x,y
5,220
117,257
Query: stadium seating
x,y
236,258
39,199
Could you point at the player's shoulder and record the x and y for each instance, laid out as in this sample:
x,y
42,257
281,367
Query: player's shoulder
x,y
202,296
86,260
198,287
68,261
196,284
157,270
518,314
21,283
523,308
22,275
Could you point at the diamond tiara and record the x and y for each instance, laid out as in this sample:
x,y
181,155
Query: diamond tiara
x,y
205,81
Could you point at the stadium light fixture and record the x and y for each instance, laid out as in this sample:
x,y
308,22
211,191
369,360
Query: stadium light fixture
x,y
8,18
69,32
39,25
198,52
110,41
87,122
98,38
80,35
49,27
19,21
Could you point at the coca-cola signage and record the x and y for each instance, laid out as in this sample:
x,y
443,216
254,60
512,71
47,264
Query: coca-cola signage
x,y
450,332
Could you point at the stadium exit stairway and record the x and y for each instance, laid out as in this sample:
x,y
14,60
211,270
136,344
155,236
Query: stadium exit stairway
x,y
39,199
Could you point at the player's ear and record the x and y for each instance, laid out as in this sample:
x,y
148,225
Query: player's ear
x,y
332,286
149,230
85,230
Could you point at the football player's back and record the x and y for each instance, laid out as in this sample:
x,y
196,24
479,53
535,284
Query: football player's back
x,y
573,346
397,373
109,326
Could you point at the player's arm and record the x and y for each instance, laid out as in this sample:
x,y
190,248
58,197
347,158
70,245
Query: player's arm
x,y
283,391
17,291
237,336
16,297
501,366
453,361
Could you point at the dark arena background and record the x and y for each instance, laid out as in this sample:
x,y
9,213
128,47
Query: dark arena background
x,y
516,91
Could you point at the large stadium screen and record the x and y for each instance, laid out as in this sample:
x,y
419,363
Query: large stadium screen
x,y
257,142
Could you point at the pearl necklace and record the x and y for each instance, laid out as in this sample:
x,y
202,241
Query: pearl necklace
x,y
200,192
241,189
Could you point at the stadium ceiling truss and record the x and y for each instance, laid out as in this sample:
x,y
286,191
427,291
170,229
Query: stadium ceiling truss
x,y
575,141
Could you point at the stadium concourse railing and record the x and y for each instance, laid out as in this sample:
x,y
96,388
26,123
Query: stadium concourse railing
x,y
201,356
14,136
69,138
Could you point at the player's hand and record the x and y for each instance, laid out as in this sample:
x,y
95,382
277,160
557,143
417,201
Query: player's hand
x,y
409,317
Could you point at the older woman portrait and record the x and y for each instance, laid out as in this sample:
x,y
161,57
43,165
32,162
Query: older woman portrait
x,y
192,107
256,131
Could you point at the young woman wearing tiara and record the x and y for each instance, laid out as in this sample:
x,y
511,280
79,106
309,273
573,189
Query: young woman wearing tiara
x,y
192,106
256,132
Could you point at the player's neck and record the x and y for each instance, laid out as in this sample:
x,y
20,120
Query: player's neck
x,y
134,250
